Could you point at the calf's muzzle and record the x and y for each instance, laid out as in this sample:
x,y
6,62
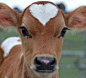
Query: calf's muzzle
x,y
45,64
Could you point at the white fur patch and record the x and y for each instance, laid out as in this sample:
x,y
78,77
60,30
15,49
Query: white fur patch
x,y
9,43
57,68
5,77
43,12
21,55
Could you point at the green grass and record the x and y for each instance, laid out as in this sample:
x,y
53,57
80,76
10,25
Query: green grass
x,y
10,33
5,34
72,42
69,72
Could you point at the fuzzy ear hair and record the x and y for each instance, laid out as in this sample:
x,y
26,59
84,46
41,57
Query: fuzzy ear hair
x,y
8,17
76,19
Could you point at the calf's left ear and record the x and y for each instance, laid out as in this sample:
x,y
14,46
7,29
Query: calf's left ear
x,y
76,19
8,17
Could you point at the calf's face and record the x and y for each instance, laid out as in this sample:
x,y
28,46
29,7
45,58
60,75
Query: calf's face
x,y
42,28
41,43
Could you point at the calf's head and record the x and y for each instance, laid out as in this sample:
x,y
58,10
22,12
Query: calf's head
x,y
42,26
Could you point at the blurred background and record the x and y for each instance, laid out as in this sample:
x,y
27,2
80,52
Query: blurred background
x,y
73,60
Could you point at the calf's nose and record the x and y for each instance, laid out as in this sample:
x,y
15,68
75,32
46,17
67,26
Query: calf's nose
x,y
45,64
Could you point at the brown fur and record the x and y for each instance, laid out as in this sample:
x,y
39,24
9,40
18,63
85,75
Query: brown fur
x,y
44,39
10,62
1,55
77,18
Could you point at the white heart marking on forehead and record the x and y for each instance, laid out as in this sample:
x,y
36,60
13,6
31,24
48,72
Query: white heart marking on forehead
x,y
43,12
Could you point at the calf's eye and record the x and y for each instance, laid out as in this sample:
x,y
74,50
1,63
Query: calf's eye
x,y
25,32
62,34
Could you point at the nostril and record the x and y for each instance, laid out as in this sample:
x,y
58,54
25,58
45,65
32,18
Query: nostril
x,y
53,62
37,62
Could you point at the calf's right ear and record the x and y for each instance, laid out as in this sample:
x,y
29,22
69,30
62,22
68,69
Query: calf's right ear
x,y
76,19
8,17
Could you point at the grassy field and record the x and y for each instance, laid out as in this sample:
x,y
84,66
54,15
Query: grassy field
x,y
10,33
68,72
72,42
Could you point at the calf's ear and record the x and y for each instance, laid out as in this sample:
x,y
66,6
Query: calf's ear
x,y
8,17
76,19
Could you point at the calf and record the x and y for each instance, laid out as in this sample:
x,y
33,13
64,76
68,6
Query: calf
x,y
42,27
